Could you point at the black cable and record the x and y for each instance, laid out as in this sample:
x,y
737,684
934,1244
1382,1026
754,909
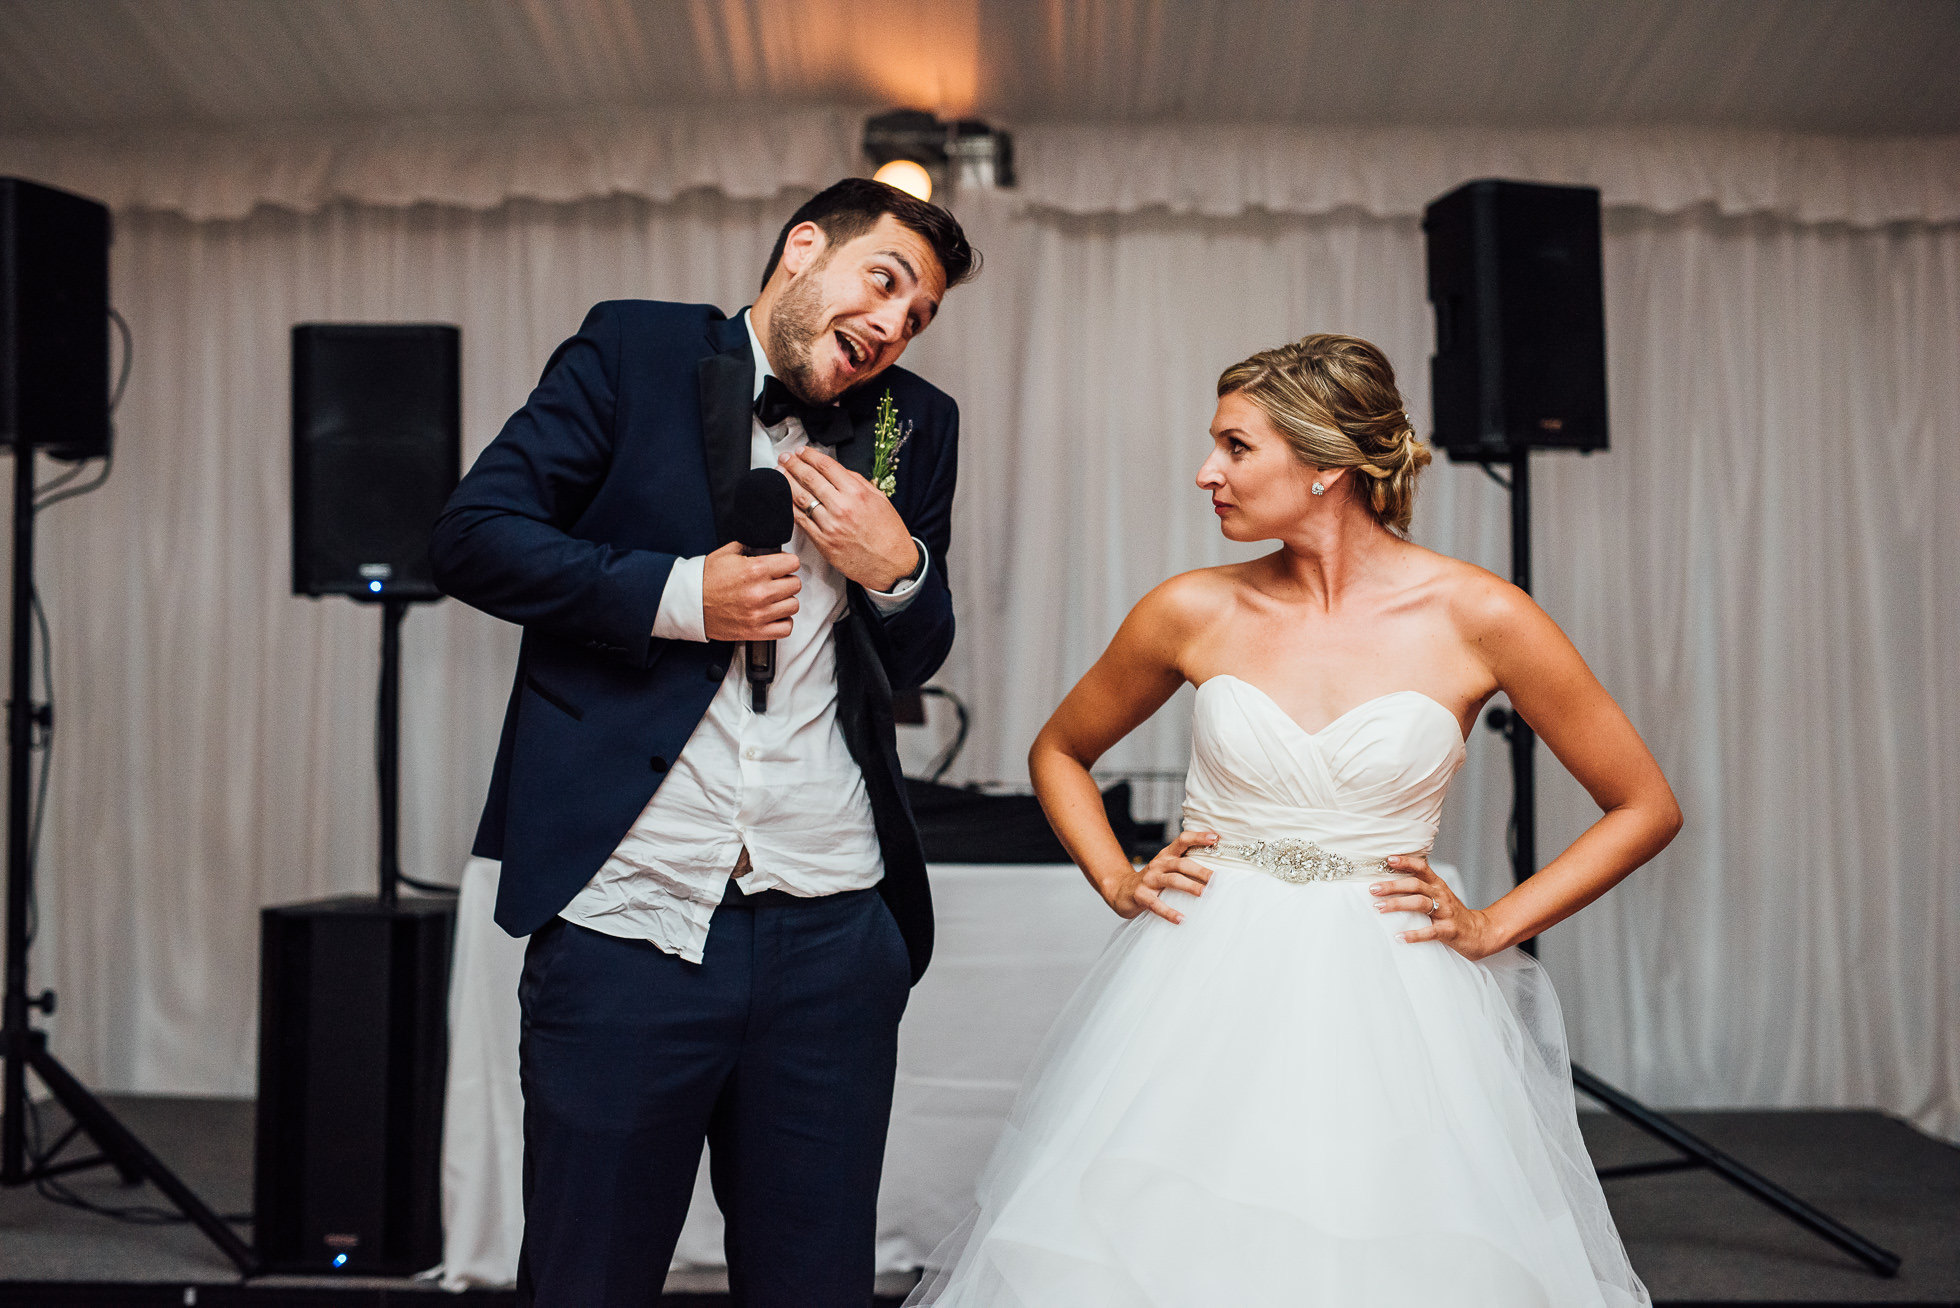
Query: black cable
x,y
74,471
45,495
108,462
943,762
1496,476
46,744
55,1190
129,357
46,747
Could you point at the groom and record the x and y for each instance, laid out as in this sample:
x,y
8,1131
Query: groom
x,y
726,908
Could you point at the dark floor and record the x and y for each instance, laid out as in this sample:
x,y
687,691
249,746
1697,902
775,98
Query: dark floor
x,y
1694,1239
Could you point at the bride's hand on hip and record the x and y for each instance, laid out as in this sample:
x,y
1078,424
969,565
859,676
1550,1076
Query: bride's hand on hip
x,y
1419,890
1142,889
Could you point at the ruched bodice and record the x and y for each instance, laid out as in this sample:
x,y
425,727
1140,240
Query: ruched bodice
x,y
1369,784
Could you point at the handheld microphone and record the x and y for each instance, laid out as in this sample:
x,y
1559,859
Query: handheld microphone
x,y
762,521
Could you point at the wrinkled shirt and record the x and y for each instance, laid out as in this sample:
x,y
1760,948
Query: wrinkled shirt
x,y
781,783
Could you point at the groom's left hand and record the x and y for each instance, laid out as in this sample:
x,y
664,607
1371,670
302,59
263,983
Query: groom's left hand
x,y
850,522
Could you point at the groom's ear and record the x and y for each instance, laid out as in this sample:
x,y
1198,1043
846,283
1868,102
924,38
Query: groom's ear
x,y
803,247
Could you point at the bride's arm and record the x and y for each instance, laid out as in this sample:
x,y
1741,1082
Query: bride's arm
x,y
1135,675
1551,687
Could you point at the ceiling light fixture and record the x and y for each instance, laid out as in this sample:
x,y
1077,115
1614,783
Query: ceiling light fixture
x,y
907,176
965,154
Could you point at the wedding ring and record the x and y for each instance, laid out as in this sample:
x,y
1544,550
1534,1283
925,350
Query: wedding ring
x,y
812,506
1435,904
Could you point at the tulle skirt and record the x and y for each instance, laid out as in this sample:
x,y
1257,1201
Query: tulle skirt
x,y
1277,1102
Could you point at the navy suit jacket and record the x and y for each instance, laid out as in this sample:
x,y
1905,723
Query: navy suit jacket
x,y
625,459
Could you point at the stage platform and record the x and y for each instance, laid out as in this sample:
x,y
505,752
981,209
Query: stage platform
x,y
1694,1239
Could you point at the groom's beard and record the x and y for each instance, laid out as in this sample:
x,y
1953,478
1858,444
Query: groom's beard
x,y
795,324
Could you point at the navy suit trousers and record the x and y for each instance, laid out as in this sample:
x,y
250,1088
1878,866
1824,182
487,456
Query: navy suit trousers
x,y
778,1048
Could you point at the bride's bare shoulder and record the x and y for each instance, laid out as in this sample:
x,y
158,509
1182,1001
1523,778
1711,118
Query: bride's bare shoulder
x,y
1178,612
1480,603
1191,598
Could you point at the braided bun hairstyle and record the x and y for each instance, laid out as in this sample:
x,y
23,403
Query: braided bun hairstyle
x,y
1335,401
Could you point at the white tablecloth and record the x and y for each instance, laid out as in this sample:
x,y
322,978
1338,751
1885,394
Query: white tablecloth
x,y
1013,943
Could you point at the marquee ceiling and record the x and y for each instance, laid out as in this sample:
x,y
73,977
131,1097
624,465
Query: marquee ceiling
x,y
1859,66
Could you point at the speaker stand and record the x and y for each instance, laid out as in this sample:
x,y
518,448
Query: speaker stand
x,y
25,1048
1691,1150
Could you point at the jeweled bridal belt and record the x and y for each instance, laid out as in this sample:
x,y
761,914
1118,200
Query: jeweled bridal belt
x,y
1302,860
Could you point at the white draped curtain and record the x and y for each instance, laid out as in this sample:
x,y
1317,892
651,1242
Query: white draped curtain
x,y
1756,568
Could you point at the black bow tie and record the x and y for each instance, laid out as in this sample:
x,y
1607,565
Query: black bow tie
x,y
824,424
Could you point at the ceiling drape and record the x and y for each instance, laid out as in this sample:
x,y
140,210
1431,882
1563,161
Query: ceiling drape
x,y
1218,171
1866,67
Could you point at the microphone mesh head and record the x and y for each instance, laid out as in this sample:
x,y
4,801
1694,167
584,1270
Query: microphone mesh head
x,y
762,517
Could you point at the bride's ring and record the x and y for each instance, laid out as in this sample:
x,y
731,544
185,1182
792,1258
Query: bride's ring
x,y
1435,906
812,506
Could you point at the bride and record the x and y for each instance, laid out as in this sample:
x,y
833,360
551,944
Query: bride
x,y
1306,1072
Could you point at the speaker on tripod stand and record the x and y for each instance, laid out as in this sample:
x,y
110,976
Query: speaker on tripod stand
x,y
353,991
1516,281
54,398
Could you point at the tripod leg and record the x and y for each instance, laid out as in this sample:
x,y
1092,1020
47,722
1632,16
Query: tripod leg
x,y
129,1156
1882,1261
81,1116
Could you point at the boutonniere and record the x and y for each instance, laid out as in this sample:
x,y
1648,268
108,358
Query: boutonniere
x,y
888,437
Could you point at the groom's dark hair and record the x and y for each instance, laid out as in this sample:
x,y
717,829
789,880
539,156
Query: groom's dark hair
x,y
852,207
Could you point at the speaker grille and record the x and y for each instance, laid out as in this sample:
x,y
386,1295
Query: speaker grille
x,y
377,448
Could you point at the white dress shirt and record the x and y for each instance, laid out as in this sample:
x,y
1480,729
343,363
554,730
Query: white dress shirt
x,y
780,783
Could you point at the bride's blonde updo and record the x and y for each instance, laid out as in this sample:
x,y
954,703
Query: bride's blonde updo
x,y
1334,399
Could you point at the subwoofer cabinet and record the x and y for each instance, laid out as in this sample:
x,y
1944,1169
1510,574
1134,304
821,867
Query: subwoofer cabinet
x,y
353,1047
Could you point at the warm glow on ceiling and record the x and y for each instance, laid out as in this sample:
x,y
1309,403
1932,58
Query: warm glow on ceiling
x,y
907,177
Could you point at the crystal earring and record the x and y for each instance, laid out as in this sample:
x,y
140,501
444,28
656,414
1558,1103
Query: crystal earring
x,y
1319,489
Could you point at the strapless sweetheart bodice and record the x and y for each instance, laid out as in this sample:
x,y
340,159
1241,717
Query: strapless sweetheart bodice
x,y
1368,785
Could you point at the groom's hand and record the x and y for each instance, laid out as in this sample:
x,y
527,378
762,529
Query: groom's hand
x,y
850,522
746,598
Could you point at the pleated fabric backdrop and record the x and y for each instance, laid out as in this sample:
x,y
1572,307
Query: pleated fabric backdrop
x,y
1755,569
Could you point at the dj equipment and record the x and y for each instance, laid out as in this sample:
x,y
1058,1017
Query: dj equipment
x,y
762,521
957,825
353,1044
377,448
1520,362
54,319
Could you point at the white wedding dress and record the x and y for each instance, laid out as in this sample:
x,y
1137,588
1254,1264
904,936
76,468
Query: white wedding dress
x,y
1278,1103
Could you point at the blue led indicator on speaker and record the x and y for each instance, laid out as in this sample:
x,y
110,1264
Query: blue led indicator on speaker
x,y
340,1260
375,586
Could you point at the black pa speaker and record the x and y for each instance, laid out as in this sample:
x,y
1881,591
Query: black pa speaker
x,y
377,448
353,1045
1520,362
54,320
